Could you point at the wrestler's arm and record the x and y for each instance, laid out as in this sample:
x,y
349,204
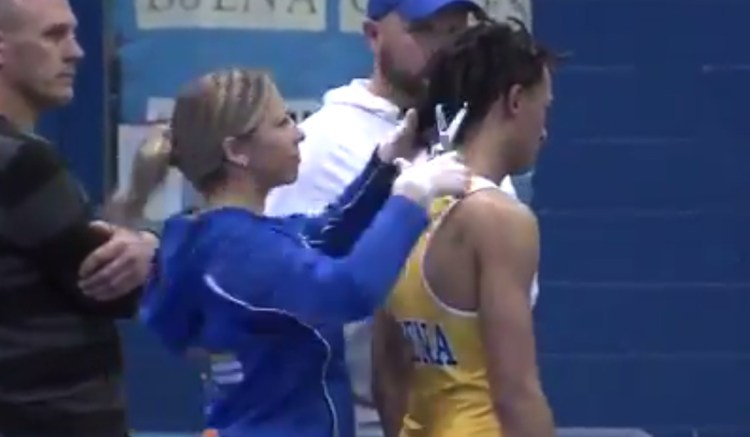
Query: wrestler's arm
x,y
391,367
507,258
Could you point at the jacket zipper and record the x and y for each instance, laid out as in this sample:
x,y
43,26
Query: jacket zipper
x,y
329,400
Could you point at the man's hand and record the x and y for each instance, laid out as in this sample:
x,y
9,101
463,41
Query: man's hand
x,y
401,142
119,266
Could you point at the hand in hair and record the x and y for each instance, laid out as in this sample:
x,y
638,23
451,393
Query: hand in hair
x,y
401,142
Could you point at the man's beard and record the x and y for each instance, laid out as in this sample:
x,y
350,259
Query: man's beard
x,y
406,86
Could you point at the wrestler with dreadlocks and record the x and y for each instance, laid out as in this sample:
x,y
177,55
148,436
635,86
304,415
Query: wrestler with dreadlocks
x,y
454,350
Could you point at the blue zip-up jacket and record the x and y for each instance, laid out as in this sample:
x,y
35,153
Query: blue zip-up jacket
x,y
267,299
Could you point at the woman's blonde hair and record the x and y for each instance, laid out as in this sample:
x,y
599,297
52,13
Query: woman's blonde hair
x,y
219,105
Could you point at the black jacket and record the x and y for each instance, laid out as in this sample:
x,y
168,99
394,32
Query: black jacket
x,y
60,359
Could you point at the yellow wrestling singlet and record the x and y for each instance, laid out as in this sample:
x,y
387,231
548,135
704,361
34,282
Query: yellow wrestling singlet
x,y
449,391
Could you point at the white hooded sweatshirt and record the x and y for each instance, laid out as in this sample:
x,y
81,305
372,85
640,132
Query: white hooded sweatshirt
x,y
339,140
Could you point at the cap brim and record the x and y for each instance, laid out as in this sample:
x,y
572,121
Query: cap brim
x,y
415,10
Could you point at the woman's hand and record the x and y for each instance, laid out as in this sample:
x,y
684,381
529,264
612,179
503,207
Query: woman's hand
x,y
401,142
422,182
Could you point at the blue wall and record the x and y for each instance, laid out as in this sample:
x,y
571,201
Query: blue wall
x,y
643,195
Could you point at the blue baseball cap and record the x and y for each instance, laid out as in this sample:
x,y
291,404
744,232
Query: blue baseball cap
x,y
413,10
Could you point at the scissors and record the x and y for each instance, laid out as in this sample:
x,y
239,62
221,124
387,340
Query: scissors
x,y
447,132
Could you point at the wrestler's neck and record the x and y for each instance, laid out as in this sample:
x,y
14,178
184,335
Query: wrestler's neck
x,y
482,150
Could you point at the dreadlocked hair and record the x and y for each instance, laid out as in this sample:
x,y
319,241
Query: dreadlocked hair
x,y
480,65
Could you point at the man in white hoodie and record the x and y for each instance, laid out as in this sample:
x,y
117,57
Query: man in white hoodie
x,y
342,135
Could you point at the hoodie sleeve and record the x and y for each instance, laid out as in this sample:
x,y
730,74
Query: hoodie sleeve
x,y
273,273
169,306
335,231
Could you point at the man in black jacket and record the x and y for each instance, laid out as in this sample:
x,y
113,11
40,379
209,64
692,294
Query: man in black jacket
x,y
63,278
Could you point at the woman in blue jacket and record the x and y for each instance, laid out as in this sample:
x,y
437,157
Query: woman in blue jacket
x,y
265,297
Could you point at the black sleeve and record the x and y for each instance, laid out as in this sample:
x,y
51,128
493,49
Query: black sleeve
x,y
45,214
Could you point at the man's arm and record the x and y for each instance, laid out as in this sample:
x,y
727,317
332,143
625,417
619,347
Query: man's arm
x,y
44,214
507,258
391,367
